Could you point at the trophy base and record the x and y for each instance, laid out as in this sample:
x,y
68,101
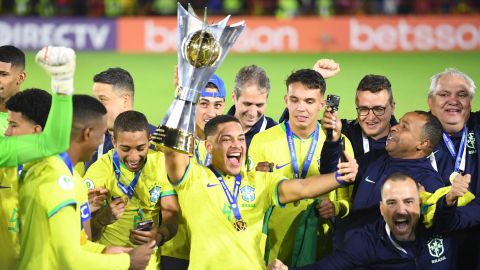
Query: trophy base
x,y
175,139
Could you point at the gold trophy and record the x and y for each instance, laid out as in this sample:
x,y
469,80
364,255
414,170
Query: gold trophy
x,y
201,50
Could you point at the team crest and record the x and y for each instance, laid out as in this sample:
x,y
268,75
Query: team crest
x,y
155,194
435,247
65,182
89,184
248,193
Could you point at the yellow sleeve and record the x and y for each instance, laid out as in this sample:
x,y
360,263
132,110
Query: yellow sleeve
x,y
56,194
429,203
93,247
65,240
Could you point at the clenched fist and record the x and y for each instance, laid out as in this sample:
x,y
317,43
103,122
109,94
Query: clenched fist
x,y
59,63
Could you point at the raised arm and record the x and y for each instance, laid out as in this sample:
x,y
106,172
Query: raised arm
x,y
176,164
313,186
59,62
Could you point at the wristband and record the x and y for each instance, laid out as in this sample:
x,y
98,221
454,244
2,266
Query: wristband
x,y
340,182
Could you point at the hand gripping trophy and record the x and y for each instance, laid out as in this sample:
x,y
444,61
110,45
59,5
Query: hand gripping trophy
x,y
201,50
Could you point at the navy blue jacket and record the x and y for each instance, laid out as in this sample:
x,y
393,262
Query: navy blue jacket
x,y
446,163
256,128
374,170
370,177
372,247
353,131
108,144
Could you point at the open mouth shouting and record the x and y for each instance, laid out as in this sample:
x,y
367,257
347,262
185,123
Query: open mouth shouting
x,y
402,223
234,158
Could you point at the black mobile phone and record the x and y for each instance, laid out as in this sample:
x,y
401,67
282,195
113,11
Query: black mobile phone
x,y
145,225
333,102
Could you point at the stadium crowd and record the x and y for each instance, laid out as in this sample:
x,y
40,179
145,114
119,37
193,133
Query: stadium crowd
x,y
85,185
281,8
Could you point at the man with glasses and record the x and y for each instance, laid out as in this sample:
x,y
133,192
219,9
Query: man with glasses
x,y
375,108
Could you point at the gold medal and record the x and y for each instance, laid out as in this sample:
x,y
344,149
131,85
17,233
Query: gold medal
x,y
452,176
240,225
125,199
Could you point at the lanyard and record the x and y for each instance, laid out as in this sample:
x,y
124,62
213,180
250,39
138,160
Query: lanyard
x,y
130,189
460,157
19,170
232,198
264,124
199,160
67,161
293,153
366,144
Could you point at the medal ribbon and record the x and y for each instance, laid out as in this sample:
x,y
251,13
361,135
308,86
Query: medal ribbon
x,y
232,198
199,160
130,189
293,153
460,157
67,161
19,170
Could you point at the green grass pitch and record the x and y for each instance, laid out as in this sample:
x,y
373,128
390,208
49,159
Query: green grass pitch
x,y
409,74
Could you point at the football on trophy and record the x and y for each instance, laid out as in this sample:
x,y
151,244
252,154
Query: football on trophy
x,y
201,49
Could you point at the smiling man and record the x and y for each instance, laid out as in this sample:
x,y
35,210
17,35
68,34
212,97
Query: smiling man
x,y
450,96
176,252
375,108
138,189
250,94
224,205
115,89
449,99
408,146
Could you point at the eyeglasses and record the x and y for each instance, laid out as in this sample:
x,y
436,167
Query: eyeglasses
x,y
377,110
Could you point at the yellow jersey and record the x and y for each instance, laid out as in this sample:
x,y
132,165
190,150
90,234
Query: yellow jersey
x,y
145,204
271,145
9,222
45,188
214,242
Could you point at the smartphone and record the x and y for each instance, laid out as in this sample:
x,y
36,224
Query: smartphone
x,y
333,102
145,225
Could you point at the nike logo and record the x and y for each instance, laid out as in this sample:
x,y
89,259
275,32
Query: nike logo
x,y
278,167
5,187
368,180
212,185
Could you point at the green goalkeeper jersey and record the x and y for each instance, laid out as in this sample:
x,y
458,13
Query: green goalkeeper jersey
x,y
53,140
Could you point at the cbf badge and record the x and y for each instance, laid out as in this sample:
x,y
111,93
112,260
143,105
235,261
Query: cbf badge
x,y
248,193
155,194
435,247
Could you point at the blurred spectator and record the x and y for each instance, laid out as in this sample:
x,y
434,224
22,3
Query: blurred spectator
x,y
281,8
